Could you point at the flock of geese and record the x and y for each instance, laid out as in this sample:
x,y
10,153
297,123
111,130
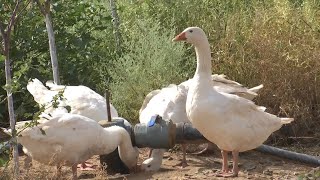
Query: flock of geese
x,y
221,109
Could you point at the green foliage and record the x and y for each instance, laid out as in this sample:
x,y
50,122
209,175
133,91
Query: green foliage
x,y
276,43
82,39
4,155
150,61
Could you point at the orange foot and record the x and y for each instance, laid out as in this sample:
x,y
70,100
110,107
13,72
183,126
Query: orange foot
x,y
227,174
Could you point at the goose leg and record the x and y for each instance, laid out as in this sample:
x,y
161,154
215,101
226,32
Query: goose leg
x,y
183,162
184,159
235,169
225,168
150,152
74,172
27,163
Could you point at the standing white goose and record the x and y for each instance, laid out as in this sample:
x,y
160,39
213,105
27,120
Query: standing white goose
x,y
69,139
233,123
170,102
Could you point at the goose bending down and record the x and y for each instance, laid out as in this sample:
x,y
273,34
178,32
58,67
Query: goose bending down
x,y
170,103
81,99
231,122
69,139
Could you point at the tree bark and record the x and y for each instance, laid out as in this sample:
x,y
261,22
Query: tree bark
x,y
45,10
10,106
5,33
53,50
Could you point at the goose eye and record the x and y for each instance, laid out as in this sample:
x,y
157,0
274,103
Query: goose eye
x,y
149,165
191,31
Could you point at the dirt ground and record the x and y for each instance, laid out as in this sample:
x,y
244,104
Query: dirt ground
x,y
253,165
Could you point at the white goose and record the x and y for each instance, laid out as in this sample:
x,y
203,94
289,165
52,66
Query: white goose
x,y
69,139
81,99
233,123
170,103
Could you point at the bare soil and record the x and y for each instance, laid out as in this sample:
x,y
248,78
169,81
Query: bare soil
x,y
253,165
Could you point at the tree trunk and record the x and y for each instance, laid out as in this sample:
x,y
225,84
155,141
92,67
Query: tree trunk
x,y
53,50
6,47
5,33
45,10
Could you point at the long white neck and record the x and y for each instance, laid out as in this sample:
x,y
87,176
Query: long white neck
x,y
203,59
127,153
114,137
125,147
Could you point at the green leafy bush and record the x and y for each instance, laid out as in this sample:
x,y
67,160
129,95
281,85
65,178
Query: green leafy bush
x,y
150,61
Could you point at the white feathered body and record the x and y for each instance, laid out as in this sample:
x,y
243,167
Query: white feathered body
x,y
232,122
168,103
68,139
81,99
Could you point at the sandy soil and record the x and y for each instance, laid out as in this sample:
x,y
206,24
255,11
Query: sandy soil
x,y
253,165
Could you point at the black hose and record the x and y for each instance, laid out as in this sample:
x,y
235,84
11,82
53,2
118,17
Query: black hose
x,y
289,154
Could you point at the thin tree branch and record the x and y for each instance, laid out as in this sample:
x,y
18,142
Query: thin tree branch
x,y
13,18
1,51
43,11
3,33
47,6
24,8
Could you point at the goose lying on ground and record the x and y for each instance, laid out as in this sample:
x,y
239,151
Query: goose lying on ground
x,y
69,139
233,123
81,99
170,103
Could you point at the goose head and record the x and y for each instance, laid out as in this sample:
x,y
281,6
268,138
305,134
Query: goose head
x,y
192,35
151,164
154,162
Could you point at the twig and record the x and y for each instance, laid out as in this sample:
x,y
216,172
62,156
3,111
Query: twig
x,y
43,11
13,18
303,20
24,8
1,50
3,33
301,137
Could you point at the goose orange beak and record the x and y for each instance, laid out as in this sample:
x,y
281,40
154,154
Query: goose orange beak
x,y
180,37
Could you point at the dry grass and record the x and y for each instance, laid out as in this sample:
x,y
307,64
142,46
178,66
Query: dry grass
x,y
39,171
253,165
283,54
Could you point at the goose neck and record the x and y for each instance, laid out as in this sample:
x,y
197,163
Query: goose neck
x,y
203,59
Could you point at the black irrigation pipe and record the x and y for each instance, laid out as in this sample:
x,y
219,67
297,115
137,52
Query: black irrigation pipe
x,y
289,154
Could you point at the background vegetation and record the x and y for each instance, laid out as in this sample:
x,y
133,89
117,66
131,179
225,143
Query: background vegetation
x,y
273,42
